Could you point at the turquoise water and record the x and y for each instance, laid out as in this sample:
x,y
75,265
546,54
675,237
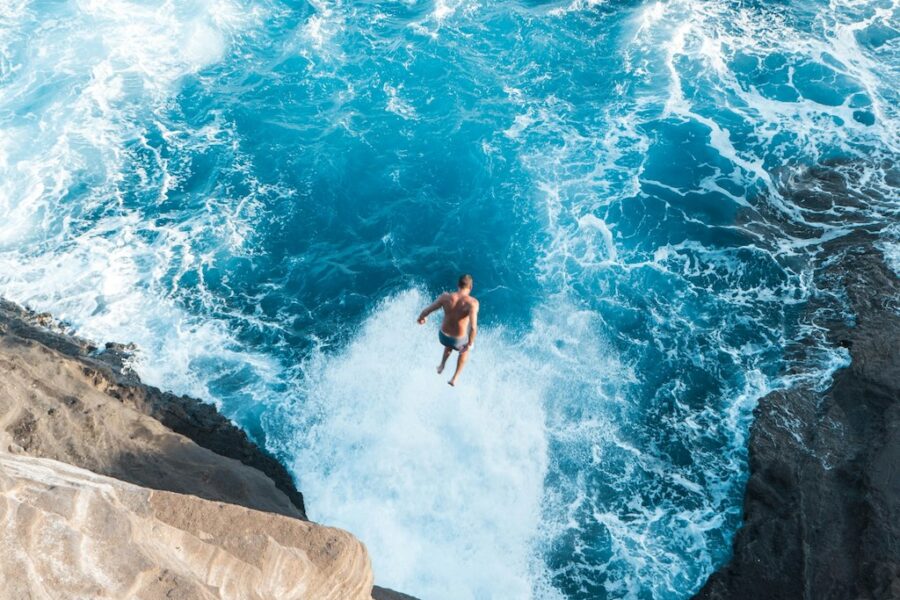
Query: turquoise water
x,y
263,195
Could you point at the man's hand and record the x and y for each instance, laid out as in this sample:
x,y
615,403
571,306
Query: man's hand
x,y
431,308
469,346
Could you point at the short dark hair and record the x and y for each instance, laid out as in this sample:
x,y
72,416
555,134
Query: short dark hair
x,y
465,281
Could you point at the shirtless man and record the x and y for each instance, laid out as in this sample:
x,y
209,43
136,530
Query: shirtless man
x,y
460,318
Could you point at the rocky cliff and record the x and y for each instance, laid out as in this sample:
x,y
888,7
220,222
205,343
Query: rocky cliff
x,y
822,504
70,533
65,399
113,489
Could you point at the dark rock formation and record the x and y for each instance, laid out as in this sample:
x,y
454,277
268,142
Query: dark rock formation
x,y
822,504
380,593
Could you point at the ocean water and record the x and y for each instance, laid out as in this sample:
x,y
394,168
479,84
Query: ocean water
x,y
263,194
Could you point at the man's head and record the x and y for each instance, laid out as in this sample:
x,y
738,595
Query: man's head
x,y
465,282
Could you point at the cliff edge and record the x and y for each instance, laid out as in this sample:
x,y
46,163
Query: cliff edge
x,y
110,488
65,399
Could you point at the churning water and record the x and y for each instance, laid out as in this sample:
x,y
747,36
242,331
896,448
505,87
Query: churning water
x,y
263,194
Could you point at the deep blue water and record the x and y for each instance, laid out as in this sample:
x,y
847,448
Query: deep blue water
x,y
263,195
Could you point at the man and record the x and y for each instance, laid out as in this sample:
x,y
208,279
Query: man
x,y
460,317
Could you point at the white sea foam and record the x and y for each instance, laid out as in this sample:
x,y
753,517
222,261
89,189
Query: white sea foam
x,y
441,12
318,38
891,252
92,261
890,248
520,124
444,485
396,103
106,286
574,6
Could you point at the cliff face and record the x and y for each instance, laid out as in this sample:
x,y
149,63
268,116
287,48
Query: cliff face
x,y
67,400
822,504
113,489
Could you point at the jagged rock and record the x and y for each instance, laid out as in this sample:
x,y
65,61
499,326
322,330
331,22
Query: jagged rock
x,y
380,593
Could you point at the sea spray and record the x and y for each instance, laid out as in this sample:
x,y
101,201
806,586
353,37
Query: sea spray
x,y
417,468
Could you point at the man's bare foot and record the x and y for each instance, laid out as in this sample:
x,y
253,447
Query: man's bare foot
x,y
440,369
451,382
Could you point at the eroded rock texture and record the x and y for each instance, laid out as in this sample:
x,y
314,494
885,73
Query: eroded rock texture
x,y
68,534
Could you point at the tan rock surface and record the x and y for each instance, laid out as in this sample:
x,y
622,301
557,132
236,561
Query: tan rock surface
x,y
58,406
70,534
113,489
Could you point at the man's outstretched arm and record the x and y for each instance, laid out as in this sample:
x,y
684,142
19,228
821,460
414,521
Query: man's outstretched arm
x,y
431,308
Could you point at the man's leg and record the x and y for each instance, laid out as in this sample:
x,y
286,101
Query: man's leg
x,y
460,363
447,352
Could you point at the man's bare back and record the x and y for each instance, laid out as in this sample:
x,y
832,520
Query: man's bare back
x,y
457,308
460,325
